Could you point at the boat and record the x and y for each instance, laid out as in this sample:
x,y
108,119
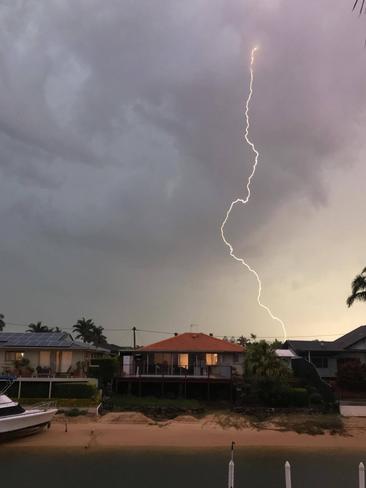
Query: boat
x,y
16,420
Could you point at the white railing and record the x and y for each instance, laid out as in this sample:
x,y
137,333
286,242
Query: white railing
x,y
288,482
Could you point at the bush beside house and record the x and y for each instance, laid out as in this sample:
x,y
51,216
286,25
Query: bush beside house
x,y
269,382
104,369
351,376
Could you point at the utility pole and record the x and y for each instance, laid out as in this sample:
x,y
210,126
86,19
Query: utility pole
x,y
134,336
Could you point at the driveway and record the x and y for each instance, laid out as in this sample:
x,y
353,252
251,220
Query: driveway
x,y
353,408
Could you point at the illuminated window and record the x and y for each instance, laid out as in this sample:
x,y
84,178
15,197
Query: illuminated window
x,y
13,355
211,359
183,360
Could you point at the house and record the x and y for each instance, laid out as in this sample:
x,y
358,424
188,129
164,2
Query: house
x,y
40,354
178,364
117,351
326,356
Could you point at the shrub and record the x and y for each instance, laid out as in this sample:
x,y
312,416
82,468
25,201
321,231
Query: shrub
x,y
104,369
273,392
75,412
352,375
298,397
315,399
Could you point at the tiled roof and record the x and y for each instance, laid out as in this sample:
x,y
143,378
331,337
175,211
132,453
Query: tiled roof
x,y
48,340
192,342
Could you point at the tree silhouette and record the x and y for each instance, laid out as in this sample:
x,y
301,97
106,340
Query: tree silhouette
x,y
2,322
358,289
83,329
86,330
98,338
38,327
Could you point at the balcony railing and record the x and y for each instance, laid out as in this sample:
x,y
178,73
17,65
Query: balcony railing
x,y
42,372
155,370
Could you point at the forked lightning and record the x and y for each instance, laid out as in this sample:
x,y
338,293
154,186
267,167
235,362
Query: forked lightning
x,y
245,200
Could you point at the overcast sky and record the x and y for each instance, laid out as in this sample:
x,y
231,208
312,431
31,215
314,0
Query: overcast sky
x,y
121,147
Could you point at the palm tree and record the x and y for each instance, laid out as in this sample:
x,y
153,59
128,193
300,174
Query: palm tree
x,y
261,360
38,327
362,5
84,329
358,289
2,322
98,338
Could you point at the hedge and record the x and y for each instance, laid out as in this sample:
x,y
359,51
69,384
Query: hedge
x,y
59,390
298,397
104,369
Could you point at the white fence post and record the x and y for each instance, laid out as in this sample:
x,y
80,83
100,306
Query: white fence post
x,y
288,474
361,475
230,482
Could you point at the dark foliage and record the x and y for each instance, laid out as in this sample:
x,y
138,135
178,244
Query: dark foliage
x,y
38,327
2,322
104,369
358,289
351,375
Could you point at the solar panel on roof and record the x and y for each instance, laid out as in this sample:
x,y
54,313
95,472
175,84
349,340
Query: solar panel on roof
x,y
41,340
38,339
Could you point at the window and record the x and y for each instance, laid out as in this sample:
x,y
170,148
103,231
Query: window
x,y
211,359
320,361
45,359
13,355
183,360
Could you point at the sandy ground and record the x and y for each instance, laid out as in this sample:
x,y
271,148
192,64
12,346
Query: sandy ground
x,y
130,429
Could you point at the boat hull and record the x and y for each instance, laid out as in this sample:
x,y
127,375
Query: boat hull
x,y
28,420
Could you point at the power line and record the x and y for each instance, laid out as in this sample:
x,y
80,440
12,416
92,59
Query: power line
x,y
14,324
149,331
156,331
293,337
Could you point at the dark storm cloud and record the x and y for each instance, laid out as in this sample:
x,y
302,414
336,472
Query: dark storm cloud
x,y
121,123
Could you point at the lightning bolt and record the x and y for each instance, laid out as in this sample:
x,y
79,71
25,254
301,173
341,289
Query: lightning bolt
x,y
245,200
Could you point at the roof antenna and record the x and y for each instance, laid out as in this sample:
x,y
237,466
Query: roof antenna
x,y
193,325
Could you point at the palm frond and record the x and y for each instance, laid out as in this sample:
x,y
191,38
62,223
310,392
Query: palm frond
x,y
360,297
359,283
361,8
